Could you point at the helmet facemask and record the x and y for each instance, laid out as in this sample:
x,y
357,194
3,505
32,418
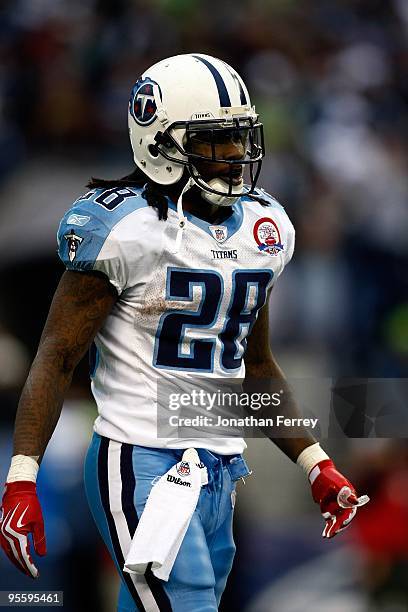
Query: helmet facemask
x,y
236,143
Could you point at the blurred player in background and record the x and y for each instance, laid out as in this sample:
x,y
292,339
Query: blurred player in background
x,y
168,274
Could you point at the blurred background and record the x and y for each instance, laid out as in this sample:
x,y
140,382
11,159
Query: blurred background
x,y
329,78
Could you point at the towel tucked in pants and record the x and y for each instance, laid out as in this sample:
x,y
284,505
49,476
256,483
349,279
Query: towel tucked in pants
x,y
118,480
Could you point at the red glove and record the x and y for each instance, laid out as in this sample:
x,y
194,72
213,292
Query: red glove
x,y
336,495
21,514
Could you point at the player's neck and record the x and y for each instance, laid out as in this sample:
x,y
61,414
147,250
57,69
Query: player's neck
x,y
195,205
206,211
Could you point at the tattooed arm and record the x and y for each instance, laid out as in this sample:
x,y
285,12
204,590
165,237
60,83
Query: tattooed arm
x,y
81,304
261,364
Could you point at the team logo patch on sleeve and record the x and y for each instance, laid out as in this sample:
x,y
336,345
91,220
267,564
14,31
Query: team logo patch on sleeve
x,y
73,243
143,105
267,236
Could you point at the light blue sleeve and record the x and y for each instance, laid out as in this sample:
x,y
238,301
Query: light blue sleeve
x,y
80,238
88,227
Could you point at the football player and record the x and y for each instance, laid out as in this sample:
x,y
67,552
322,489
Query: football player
x,y
167,276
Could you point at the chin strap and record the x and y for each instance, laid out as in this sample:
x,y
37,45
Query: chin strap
x,y
218,199
180,214
211,198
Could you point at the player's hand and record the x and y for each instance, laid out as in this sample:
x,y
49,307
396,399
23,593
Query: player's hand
x,y
336,496
21,515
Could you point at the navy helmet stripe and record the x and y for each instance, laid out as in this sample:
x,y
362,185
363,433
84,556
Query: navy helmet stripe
x,y
219,81
242,95
104,492
128,506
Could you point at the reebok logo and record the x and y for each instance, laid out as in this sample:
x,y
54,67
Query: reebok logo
x,y
178,481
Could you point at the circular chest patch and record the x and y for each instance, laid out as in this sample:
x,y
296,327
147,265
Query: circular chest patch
x,y
267,236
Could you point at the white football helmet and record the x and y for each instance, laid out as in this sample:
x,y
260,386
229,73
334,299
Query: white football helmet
x,y
191,98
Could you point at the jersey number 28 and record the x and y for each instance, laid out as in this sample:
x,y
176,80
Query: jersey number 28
x,y
248,295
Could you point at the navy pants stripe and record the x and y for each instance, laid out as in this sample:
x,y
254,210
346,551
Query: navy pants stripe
x,y
104,491
129,510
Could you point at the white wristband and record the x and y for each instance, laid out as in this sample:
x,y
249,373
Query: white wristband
x,y
23,467
309,457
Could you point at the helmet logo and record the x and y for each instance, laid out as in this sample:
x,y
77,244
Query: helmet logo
x,y
142,102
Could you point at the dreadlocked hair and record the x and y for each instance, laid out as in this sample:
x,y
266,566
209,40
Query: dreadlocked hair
x,y
153,193
259,199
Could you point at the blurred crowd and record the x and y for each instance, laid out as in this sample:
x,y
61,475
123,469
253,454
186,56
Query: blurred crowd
x,y
329,79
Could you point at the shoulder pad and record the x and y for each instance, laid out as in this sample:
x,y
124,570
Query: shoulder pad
x,y
111,205
263,197
86,227
266,197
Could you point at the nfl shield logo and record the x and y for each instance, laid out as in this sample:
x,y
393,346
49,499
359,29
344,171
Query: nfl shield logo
x,y
183,468
219,232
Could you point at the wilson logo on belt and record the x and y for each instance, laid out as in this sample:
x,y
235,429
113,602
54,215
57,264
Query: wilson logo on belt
x,y
178,481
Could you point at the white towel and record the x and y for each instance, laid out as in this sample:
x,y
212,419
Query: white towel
x,y
166,517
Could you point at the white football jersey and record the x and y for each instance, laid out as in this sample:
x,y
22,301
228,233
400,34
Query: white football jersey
x,y
179,316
